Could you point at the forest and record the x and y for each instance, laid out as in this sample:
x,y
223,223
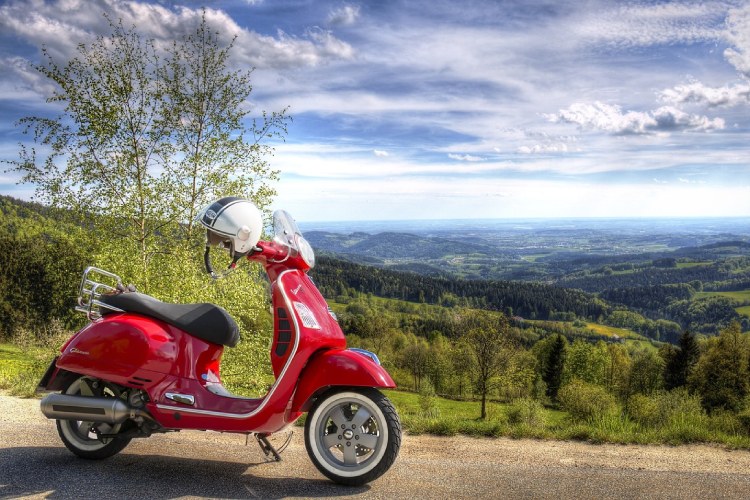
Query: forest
x,y
589,354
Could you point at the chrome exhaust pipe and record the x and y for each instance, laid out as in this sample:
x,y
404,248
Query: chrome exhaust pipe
x,y
87,409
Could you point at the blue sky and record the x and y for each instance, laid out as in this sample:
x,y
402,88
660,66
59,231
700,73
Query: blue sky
x,y
438,109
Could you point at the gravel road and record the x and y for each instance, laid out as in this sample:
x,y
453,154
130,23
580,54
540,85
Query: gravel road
x,y
35,464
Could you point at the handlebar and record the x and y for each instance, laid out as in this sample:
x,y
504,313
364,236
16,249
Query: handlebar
x,y
265,252
269,251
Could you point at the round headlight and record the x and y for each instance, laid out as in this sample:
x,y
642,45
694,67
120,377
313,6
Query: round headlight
x,y
306,251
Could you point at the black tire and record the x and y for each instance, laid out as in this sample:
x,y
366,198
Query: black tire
x,y
76,436
353,435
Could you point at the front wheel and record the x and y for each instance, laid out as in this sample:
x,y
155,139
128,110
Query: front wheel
x,y
353,436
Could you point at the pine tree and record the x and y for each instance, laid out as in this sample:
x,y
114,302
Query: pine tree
x,y
681,361
553,368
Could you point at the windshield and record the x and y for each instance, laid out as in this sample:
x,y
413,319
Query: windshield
x,y
287,233
285,229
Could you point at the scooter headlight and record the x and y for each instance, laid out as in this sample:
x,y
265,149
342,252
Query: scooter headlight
x,y
306,251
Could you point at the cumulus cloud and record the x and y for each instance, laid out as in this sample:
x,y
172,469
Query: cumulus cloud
x,y
696,92
63,24
610,118
344,15
466,157
738,34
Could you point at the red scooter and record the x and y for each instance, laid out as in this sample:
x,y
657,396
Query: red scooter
x,y
144,366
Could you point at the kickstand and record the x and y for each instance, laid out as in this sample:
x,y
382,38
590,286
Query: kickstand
x,y
267,447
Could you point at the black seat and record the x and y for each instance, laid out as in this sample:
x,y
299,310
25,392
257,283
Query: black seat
x,y
205,321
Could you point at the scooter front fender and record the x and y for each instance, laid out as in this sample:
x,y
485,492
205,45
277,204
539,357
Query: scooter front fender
x,y
337,368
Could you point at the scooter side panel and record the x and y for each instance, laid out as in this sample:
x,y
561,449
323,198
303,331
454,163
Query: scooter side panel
x,y
130,350
334,368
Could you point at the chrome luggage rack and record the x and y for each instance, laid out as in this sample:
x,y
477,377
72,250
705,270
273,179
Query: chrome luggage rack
x,y
90,291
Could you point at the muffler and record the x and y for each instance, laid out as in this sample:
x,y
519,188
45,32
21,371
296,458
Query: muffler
x,y
87,409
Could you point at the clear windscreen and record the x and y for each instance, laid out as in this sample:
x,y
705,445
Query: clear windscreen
x,y
285,229
287,233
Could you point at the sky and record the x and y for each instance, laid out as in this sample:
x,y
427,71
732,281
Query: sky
x,y
433,109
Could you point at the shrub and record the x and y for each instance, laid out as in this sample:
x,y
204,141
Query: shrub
x,y
586,402
526,411
427,400
679,408
496,411
677,415
644,410
726,422
744,419
443,426
482,428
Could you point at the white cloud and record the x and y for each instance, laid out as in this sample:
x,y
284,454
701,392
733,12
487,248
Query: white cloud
x,y
21,81
441,198
639,25
62,25
738,34
610,118
380,153
345,15
472,158
696,92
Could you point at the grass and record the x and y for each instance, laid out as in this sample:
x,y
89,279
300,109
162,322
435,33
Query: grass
x,y
22,367
741,295
683,265
534,257
611,331
593,329
461,417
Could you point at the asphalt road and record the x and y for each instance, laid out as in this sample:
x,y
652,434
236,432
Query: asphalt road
x,y
34,463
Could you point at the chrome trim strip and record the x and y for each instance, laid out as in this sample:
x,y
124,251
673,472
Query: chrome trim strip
x,y
370,355
210,413
276,383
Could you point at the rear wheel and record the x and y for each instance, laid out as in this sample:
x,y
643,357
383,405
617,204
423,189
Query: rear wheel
x,y
83,438
353,437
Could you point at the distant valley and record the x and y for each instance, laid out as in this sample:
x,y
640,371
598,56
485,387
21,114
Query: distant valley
x,y
531,250
695,272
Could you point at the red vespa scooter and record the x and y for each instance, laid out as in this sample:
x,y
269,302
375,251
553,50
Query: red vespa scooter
x,y
144,366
